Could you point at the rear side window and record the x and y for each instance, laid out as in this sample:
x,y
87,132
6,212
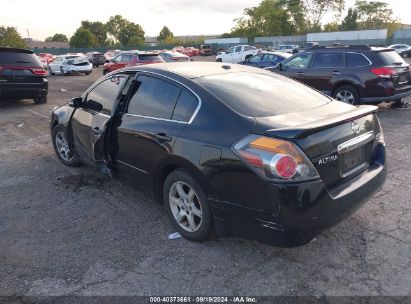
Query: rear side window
x,y
149,57
126,58
356,60
107,92
185,107
19,59
238,49
154,98
255,59
249,48
260,94
328,60
390,58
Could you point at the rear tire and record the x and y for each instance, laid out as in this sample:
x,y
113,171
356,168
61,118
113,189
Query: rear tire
x,y
87,73
62,147
187,206
347,94
248,57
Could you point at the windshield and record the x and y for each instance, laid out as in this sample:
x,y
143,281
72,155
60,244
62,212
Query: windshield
x,y
259,94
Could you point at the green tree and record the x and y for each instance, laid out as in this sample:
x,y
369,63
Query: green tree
x,y
331,27
315,10
57,38
98,29
123,30
165,33
82,38
349,23
11,38
135,41
373,14
270,17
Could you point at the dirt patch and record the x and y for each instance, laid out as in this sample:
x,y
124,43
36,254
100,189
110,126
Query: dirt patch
x,y
78,181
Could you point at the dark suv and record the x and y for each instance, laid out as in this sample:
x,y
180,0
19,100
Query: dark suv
x,y
22,75
96,58
352,74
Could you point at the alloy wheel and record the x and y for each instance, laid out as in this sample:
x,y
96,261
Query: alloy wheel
x,y
63,146
185,206
345,96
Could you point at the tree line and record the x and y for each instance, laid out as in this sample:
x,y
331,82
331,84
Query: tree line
x,y
298,17
269,18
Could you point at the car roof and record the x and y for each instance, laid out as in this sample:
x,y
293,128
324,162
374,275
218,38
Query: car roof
x,y
194,69
15,50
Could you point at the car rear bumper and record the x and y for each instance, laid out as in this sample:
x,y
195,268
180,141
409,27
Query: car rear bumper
x,y
23,90
304,210
79,69
396,94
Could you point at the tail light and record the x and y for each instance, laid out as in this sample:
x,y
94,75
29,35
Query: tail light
x,y
275,159
39,71
383,72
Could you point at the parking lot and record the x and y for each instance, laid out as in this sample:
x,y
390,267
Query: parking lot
x,y
74,231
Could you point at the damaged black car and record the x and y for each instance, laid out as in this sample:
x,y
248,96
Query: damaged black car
x,y
229,148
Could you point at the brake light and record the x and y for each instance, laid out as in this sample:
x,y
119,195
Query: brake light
x,y
39,71
275,159
383,72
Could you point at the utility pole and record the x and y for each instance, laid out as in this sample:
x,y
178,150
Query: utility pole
x,y
28,39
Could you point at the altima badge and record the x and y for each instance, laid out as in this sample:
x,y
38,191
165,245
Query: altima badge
x,y
355,127
328,159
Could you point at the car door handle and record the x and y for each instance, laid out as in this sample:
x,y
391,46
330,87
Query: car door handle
x,y
335,73
300,73
162,137
97,130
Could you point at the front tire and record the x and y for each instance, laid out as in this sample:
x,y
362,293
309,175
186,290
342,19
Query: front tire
x,y
219,60
62,147
347,94
187,206
50,70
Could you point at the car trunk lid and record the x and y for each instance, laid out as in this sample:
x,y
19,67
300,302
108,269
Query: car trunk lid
x,y
338,143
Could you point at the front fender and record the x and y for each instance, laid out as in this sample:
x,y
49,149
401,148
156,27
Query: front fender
x,y
61,116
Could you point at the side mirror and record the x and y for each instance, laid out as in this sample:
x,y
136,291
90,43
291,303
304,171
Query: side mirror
x,y
76,102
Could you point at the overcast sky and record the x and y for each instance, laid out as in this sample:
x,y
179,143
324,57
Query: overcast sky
x,y
184,17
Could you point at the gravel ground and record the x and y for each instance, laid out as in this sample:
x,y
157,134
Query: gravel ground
x,y
66,231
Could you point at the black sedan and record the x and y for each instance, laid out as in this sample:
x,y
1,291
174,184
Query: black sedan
x,y
266,59
227,147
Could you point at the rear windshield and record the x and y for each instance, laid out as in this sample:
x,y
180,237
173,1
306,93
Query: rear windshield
x,y
262,94
19,59
391,57
143,57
